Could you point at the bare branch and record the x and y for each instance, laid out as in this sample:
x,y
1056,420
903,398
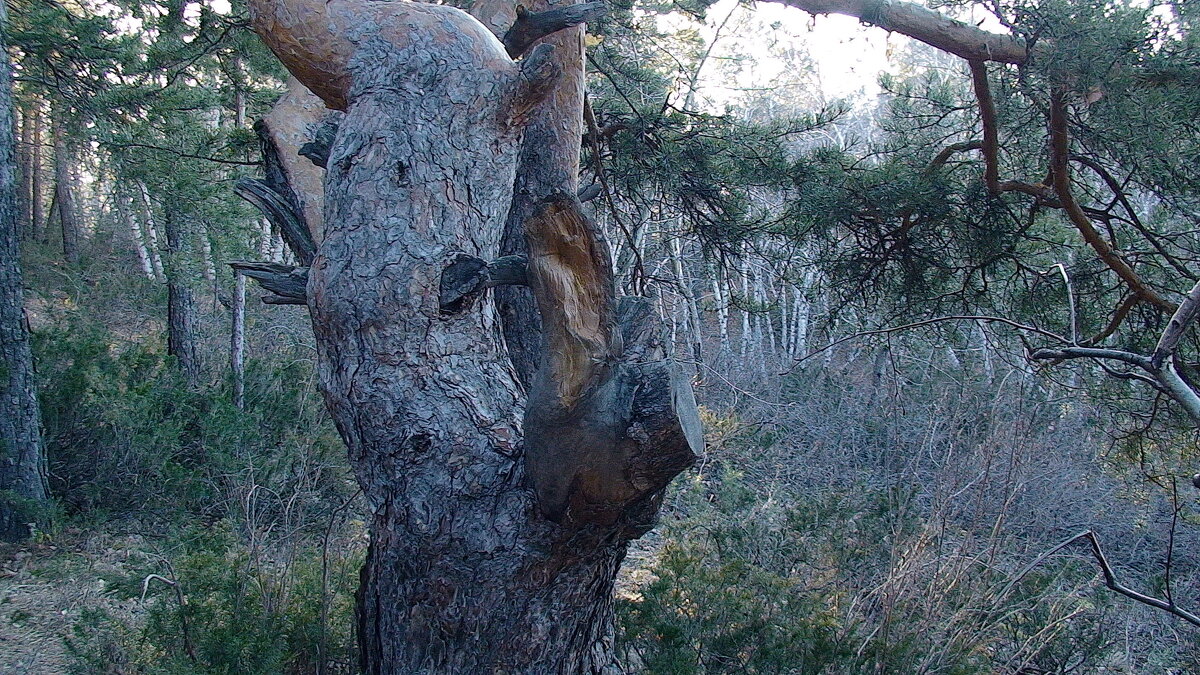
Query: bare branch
x,y
1110,578
927,322
949,151
1060,168
1066,353
987,116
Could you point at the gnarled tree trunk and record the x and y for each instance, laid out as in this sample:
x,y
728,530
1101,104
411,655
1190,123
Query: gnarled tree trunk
x,y
500,513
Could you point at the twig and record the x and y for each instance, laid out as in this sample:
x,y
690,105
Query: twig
x,y
1062,269
183,622
926,322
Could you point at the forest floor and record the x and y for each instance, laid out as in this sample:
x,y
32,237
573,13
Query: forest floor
x,y
45,587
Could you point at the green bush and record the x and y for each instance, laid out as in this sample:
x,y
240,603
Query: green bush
x,y
847,581
224,607
124,433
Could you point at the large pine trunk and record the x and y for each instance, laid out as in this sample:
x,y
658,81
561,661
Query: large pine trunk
x,y
22,470
501,505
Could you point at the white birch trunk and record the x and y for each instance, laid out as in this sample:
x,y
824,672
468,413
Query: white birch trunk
x,y
151,234
237,347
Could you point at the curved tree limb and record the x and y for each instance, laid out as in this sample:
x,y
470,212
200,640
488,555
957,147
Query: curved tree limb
x,y
1060,168
920,23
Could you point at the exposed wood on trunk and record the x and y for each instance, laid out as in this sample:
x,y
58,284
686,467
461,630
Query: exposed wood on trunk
x,y
295,120
571,277
928,26
22,462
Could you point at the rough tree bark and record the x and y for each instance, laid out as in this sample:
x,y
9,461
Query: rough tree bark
x,y
64,196
500,517
22,464
182,330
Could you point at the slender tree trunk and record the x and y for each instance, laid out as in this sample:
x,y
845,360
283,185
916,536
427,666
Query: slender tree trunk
x,y
692,317
721,297
36,190
22,462
182,328
68,215
745,275
152,239
25,167
135,234
237,347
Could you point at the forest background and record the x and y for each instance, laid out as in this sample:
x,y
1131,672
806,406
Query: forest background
x,y
883,297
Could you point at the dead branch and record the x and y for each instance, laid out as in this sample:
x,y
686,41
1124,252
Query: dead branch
x,y
533,26
289,284
1110,578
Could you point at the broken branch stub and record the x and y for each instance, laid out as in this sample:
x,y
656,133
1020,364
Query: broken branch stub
x,y
606,460
533,26
467,277
610,420
288,283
